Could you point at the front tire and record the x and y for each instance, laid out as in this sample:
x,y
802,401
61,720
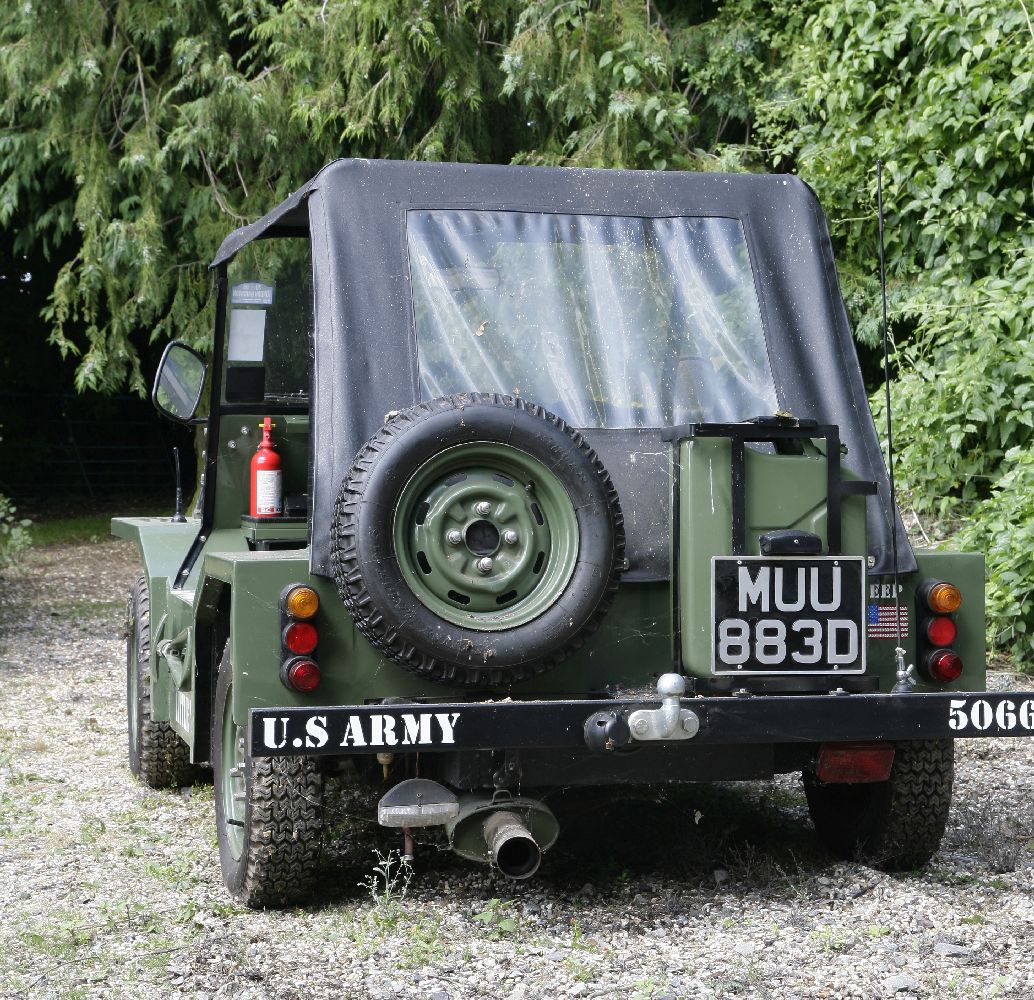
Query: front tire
x,y
268,813
894,825
157,755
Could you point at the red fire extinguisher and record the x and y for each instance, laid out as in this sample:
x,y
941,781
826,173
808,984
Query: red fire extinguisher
x,y
267,487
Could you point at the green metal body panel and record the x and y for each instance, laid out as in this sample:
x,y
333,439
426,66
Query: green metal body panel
x,y
783,491
630,649
163,544
966,571
789,491
633,646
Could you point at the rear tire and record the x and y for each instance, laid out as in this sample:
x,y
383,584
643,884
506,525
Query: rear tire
x,y
268,813
894,825
157,754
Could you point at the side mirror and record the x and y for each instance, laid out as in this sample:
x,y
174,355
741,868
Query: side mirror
x,y
179,382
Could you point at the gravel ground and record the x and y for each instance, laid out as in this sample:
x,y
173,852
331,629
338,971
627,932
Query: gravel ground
x,y
113,890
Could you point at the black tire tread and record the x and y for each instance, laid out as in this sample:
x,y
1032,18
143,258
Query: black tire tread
x,y
895,825
348,573
283,821
162,758
284,832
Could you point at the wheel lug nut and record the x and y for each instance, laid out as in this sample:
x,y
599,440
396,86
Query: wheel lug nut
x,y
510,537
484,565
483,508
454,537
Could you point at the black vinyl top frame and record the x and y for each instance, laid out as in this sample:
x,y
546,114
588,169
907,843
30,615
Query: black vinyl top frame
x,y
366,363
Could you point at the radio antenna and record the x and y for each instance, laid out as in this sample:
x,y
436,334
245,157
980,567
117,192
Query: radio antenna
x,y
177,517
904,675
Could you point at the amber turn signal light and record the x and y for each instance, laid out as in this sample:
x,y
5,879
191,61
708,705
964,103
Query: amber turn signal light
x,y
944,598
301,602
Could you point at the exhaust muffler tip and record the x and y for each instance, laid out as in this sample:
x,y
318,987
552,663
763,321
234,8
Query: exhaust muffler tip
x,y
514,850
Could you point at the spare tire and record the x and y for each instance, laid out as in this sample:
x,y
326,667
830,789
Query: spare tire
x,y
477,539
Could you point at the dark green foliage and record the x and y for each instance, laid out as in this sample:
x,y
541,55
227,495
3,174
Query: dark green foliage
x,y
940,92
1003,527
14,532
134,136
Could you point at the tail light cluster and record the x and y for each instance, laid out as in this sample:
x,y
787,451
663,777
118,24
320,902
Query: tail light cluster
x,y
937,631
299,638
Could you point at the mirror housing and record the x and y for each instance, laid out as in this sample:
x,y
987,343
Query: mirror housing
x,y
179,382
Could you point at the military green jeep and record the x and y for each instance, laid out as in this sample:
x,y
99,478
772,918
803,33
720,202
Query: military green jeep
x,y
581,487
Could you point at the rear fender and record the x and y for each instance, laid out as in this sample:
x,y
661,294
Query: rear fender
x,y
163,544
241,598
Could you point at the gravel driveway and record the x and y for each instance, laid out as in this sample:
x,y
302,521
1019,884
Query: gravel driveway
x,y
113,890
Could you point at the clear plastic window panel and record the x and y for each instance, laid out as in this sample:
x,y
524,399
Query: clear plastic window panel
x,y
606,321
269,322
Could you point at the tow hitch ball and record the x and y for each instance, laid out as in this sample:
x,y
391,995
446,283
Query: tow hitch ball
x,y
610,730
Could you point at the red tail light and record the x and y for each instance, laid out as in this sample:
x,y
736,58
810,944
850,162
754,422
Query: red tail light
x,y
854,763
937,603
940,631
944,666
301,675
300,638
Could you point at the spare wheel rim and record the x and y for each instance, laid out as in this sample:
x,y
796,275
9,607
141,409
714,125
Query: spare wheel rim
x,y
486,536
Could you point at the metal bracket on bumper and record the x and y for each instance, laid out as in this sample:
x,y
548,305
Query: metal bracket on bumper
x,y
604,725
669,722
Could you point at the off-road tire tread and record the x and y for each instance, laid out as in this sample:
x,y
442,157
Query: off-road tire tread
x,y
895,825
348,574
283,832
283,821
163,759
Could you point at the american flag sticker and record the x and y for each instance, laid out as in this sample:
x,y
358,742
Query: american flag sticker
x,y
880,623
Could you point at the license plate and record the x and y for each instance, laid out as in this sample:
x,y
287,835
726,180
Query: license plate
x,y
779,616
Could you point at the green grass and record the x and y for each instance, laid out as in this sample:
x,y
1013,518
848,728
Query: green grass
x,y
58,525
71,530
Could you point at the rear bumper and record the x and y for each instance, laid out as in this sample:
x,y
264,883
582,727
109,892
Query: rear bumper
x,y
542,725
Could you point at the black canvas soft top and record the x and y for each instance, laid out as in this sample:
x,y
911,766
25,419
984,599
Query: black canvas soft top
x,y
365,347
291,214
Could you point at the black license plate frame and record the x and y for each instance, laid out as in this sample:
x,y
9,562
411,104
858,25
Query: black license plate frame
x,y
752,622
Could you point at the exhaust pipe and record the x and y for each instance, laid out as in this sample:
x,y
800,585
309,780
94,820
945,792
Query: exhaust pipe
x,y
510,832
515,852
